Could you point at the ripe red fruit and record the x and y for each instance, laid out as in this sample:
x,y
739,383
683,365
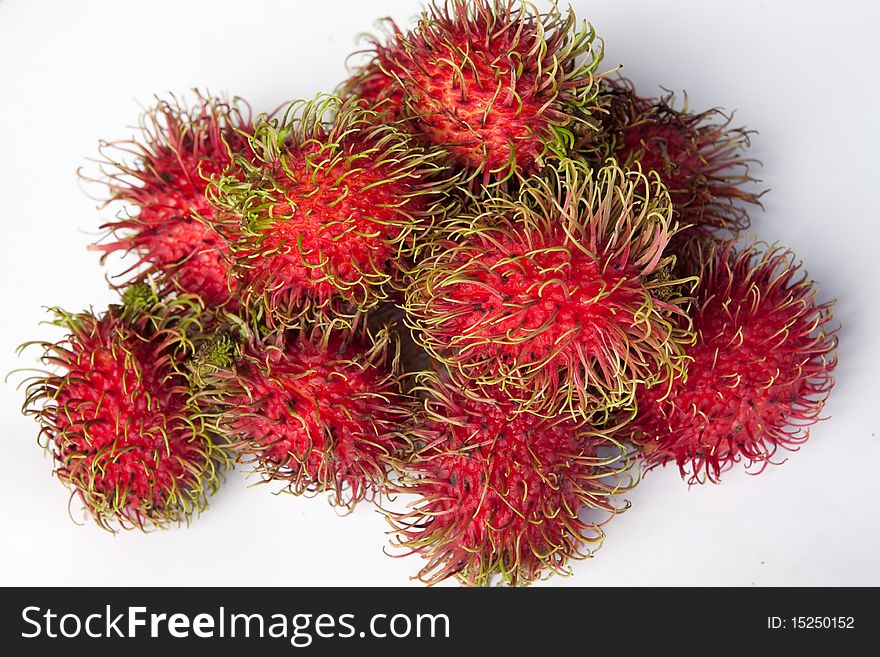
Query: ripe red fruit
x,y
495,83
116,414
331,207
316,409
559,295
177,149
503,494
759,374
698,156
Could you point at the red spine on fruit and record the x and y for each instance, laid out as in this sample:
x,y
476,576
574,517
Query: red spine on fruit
x,y
177,150
116,414
759,372
494,82
332,205
560,295
500,494
317,409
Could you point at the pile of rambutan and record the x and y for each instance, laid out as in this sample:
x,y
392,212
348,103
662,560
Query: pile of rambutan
x,y
482,286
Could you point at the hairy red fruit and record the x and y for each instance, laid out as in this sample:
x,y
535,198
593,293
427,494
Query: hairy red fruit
x,y
759,374
331,207
560,295
698,156
315,409
503,494
117,418
493,82
177,150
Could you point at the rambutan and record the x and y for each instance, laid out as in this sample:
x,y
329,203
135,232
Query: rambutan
x,y
117,417
500,494
560,295
496,83
332,204
317,408
178,149
759,371
698,156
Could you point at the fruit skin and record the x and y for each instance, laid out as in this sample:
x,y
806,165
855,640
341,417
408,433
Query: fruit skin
x,y
318,408
503,495
698,156
116,412
560,295
177,149
759,373
496,83
332,204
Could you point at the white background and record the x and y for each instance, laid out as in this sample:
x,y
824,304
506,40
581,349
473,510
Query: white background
x,y
802,73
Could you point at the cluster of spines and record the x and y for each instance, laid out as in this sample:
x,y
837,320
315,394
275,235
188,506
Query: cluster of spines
x,y
760,369
162,175
501,495
318,408
116,413
556,294
327,210
698,155
495,83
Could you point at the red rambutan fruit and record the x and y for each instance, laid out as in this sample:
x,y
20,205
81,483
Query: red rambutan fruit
x,y
494,82
331,204
116,414
560,295
178,149
698,156
501,494
759,371
317,408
